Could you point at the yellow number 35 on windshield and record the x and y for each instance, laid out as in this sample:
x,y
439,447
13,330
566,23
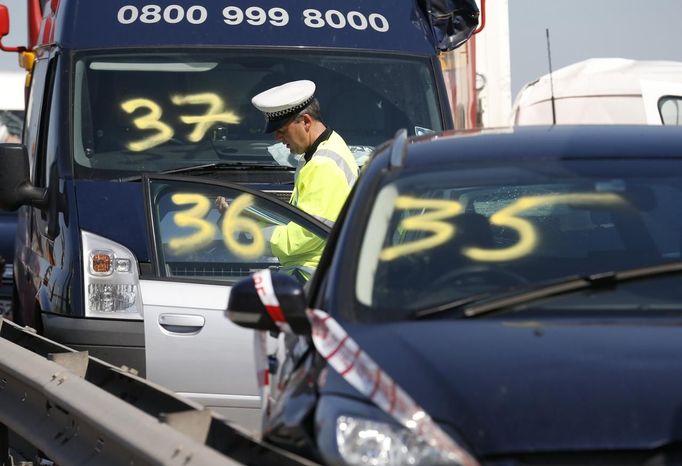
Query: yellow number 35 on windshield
x,y
442,209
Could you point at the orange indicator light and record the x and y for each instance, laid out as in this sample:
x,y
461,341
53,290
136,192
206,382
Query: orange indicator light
x,y
101,263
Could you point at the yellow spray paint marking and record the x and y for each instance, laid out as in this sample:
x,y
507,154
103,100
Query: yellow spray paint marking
x,y
430,222
151,120
192,218
234,223
204,122
527,235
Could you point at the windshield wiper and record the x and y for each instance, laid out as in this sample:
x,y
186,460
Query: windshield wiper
x,y
213,166
484,304
450,306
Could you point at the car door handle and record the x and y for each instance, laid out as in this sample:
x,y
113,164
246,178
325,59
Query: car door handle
x,y
181,323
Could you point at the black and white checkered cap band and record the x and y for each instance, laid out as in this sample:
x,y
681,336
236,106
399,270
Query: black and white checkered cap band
x,y
289,111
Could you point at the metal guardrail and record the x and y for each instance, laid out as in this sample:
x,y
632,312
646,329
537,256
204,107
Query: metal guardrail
x,y
78,410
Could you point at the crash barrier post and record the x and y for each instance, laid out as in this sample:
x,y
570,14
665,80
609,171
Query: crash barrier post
x,y
78,410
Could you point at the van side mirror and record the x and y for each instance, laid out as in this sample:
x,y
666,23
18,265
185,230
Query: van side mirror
x,y
245,308
4,30
15,185
4,21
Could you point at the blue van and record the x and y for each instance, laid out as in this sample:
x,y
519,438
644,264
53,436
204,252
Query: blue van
x,y
124,94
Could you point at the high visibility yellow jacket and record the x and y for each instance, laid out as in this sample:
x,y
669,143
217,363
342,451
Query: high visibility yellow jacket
x,y
320,190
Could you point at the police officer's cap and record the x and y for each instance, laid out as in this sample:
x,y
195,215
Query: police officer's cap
x,y
280,103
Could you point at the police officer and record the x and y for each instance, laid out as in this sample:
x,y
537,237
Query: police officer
x,y
292,113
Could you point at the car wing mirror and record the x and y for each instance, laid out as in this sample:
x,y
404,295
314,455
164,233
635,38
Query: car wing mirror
x,y
246,309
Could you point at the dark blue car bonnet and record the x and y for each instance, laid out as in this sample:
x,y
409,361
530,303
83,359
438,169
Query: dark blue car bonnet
x,y
520,386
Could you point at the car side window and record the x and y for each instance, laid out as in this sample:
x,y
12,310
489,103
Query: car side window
x,y
196,239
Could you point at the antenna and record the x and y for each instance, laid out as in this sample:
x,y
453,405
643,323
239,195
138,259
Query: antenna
x,y
551,81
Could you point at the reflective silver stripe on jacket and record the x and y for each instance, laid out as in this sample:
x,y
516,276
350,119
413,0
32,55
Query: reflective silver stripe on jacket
x,y
340,162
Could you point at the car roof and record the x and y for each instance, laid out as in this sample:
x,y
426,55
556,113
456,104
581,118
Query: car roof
x,y
545,142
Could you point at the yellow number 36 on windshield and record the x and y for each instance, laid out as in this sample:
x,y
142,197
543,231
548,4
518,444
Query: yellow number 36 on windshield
x,y
233,224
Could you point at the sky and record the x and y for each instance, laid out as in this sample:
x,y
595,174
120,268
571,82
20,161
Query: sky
x,y
579,29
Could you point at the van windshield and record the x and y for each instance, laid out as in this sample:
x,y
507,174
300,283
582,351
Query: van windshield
x,y
141,112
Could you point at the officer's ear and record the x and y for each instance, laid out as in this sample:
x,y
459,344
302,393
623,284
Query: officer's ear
x,y
307,121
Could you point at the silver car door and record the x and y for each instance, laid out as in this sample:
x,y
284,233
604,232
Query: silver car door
x,y
195,351
198,252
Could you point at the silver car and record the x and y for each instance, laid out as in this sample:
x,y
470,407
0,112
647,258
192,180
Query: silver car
x,y
198,254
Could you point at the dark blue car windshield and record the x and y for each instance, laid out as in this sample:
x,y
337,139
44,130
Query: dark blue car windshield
x,y
440,236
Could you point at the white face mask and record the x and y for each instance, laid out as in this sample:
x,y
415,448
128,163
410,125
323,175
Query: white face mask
x,y
283,156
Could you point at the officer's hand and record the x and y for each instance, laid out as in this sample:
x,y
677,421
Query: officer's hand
x,y
221,204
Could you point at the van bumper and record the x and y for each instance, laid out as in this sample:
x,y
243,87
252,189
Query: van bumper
x,y
118,342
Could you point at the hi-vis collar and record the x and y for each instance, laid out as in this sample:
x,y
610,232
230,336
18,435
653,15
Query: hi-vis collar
x,y
346,357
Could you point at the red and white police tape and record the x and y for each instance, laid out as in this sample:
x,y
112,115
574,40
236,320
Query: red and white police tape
x,y
357,368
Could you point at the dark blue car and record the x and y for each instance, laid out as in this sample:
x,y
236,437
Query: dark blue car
x,y
502,297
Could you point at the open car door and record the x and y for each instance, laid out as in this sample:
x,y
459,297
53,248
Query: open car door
x,y
192,348
662,102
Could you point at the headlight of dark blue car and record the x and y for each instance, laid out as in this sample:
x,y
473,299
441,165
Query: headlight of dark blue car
x,y
365,442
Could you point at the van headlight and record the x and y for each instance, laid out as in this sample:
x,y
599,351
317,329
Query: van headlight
x,y
364,442
111,280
